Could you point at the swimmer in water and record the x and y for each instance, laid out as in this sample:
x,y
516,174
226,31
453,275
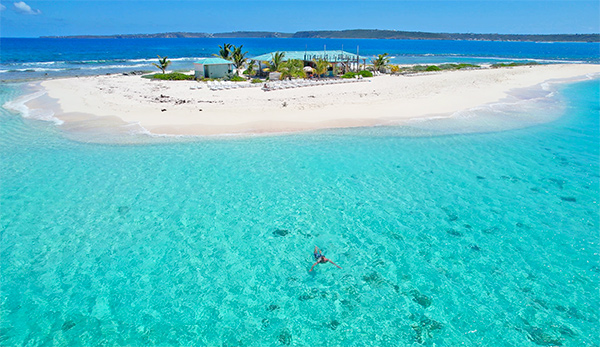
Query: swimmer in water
x,y
320,258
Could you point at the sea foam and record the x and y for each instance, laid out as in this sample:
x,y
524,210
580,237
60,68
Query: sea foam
x,y
19,105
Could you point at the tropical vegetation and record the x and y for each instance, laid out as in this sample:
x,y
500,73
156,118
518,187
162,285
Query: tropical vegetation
x,y
380,62
423,68
234,78
363,73
514,64
293,68
276,61
163,63
224,51
238,57
173,76
250,69
321,67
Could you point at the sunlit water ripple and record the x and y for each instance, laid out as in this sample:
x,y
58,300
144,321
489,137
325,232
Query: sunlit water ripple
x,y
484,239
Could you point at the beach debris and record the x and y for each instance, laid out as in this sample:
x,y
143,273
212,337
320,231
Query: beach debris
x,y
284,104
285,337
211,101
200,109
133,73
163,110
272,307
281,232
568,198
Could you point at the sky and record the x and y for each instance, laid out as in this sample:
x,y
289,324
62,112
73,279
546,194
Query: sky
x,y
96,17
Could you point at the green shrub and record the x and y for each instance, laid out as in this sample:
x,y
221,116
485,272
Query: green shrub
x,y
462,66
349,74
256,80
365,73
432,68
457,66
514,64
236,78
419,68
173,76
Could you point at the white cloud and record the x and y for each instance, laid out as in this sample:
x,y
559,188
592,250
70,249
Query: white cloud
x,y
2,7
22,7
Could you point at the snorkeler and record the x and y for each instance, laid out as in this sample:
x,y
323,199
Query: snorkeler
x,y
320,258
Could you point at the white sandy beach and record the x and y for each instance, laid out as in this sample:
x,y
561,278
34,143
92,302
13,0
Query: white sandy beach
x,y
382,100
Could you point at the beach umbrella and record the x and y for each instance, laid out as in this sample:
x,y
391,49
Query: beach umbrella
x,y
308,69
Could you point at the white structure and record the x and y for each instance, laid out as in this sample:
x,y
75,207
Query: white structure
x,y
212,68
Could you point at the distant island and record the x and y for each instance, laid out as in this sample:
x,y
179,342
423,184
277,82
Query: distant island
x,y
357,34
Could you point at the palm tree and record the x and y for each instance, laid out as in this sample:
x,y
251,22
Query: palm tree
x,y
250,71
292,68
276,61
224,51
238,57
381,61
163,63
321,66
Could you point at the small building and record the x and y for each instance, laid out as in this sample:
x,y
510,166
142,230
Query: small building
x,y
345,60
212,68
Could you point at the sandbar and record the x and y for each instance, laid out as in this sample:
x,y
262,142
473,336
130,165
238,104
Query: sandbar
x,y
180,108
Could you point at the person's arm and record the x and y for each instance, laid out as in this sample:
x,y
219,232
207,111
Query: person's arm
x,y
329,260
311,268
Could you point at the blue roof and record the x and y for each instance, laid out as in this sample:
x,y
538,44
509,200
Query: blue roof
x,y
213,61
330,56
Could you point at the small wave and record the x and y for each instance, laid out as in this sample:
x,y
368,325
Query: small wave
x,y
103,67
18,106
116,67
37,69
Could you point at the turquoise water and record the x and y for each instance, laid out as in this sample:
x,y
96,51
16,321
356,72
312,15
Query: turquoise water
x,y
30,59
486,239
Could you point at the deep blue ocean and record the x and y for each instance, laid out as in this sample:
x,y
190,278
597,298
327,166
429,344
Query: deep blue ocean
x,y
23,59
455,232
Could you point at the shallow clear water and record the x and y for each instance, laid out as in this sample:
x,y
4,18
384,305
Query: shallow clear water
x,y
468,239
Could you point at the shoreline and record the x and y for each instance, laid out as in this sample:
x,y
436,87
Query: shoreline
x,y
130,104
